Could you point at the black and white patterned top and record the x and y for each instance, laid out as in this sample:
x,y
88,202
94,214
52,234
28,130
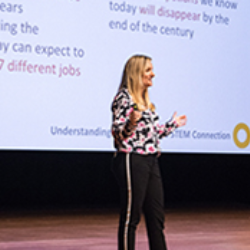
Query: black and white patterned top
x,y
144,138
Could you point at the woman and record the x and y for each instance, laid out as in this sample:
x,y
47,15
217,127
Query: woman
x,y
136,133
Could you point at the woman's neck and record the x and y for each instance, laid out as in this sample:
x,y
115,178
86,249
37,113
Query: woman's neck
x,y
142,100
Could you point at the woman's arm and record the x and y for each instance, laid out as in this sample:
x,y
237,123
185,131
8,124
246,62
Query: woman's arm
x,y
124,120
165,129
170,126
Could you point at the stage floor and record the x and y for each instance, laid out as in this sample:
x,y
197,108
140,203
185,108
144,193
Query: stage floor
x,y
95,229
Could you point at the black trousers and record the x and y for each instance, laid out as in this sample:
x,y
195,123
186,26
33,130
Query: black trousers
x,y
141,190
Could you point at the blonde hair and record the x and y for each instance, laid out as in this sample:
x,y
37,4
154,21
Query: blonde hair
x,y
132,79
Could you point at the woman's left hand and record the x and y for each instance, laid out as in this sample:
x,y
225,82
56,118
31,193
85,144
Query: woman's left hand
x,y
180,120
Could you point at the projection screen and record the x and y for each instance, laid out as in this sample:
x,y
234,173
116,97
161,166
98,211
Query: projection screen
x,y
61,63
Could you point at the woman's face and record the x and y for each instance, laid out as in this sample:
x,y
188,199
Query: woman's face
x,y
148,74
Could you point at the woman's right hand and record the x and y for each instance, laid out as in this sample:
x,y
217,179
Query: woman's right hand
x,y
134,117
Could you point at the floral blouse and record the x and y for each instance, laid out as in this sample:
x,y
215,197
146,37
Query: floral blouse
x,y
144,137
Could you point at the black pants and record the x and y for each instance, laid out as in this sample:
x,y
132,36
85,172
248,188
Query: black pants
x,y
140,190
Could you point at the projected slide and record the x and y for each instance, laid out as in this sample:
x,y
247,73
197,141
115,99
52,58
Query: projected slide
x,y
61,63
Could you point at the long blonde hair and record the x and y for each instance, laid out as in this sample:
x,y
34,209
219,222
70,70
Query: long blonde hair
x,y
132,78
